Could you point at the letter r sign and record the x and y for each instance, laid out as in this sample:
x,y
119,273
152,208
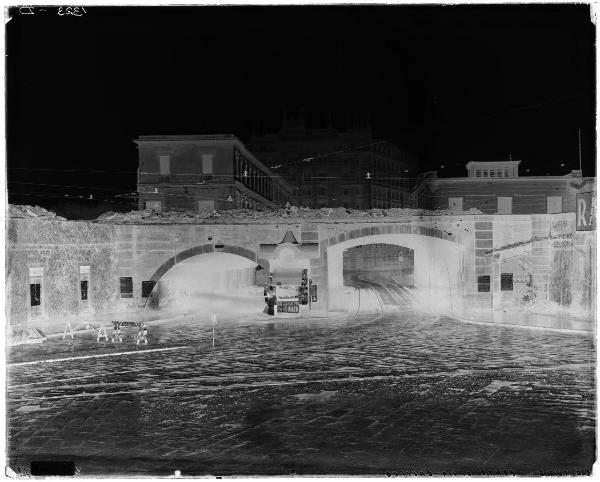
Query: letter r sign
x,y
586,212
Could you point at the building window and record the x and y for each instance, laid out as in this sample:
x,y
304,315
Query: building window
x,y
84,286
504,205
455,204
154,205
36,280
147,287
492,173
126,287
478,173
165,165
499,173
554,204
506,172
35,290
206,205
483,283
207,163
506,281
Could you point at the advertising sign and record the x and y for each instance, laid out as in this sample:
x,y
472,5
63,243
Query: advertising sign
x,y
286,293
288,307
586,211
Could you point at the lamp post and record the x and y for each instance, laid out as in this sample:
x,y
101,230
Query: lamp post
x,y
369,189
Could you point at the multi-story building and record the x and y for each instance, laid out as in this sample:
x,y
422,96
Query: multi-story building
x,y
332,169
497,188
204,172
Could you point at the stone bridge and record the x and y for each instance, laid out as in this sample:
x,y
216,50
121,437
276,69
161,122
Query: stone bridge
x,y
479,260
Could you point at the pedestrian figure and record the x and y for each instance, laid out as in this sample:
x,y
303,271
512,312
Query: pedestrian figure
x,y
116,332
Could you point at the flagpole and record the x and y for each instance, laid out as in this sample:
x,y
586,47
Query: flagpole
x,y
579,137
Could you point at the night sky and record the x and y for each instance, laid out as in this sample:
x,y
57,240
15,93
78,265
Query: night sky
x,y
451,84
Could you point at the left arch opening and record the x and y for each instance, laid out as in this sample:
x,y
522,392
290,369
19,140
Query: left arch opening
x,y
211,282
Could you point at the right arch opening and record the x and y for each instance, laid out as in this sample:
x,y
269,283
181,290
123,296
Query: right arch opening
x,y
379,262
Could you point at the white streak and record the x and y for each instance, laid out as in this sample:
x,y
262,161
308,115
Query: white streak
x,y
55,360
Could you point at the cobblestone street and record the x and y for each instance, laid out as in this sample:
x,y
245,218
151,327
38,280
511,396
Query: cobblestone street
x,y
365,395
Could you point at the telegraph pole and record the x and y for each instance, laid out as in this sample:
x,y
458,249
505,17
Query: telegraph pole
x,y
579,138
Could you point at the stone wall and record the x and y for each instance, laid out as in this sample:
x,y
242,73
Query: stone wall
x,y
59,248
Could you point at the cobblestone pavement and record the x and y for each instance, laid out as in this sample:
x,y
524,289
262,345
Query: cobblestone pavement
x,y
400,392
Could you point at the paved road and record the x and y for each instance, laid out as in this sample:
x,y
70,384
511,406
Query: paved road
x,y
400,391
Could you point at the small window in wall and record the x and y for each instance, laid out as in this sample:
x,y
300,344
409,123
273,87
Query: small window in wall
x,y
147,287
207,163
499,173
35,290
492,173
483,283
36,279
126,287
506,281
478,173
84,285
165,165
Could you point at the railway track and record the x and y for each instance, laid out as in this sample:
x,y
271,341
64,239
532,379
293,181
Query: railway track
x,y
389,293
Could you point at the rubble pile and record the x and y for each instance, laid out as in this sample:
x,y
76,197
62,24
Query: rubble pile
x,y
26,211
291,214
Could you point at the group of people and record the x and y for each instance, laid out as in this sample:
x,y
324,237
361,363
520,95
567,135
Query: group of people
x,y
142,334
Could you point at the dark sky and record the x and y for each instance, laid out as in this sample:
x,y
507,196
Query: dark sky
x,y
452,84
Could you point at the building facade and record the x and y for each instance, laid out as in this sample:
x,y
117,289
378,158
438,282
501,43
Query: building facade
x,y
204,172
338,169
497,188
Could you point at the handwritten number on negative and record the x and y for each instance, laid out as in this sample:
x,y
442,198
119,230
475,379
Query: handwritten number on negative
x,y
76,11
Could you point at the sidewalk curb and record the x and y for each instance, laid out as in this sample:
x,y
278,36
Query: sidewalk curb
x,y
523,327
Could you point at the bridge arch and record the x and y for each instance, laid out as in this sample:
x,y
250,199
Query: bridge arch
x,y
438,263
206,249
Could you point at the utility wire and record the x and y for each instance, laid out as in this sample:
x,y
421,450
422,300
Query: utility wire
x,y
320,156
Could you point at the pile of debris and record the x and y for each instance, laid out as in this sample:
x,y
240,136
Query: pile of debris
x,y
26,212
291,214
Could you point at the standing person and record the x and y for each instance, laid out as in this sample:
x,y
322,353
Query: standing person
x,y
271,302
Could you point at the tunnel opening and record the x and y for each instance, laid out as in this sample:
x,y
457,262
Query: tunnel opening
x,y
385,263
218,282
